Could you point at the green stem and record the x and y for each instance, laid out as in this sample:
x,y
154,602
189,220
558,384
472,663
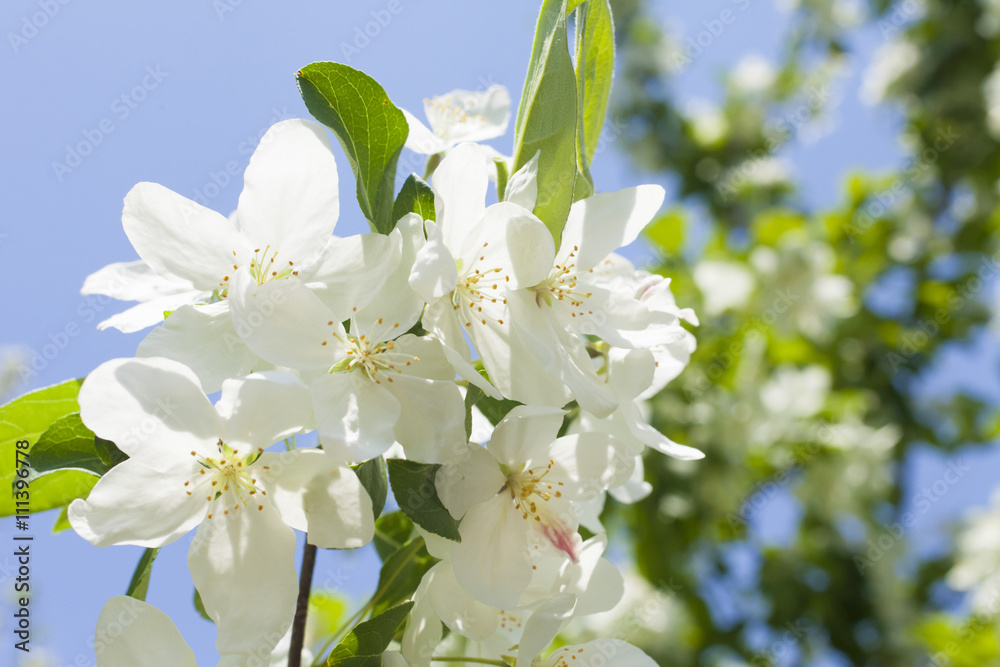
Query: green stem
x,y
481,661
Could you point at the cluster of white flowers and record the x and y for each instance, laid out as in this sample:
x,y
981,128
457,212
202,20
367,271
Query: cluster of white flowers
x,y
374,340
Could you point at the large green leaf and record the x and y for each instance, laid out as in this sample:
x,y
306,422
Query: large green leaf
x,y
414,197
401,574
413,486
368,125
365,644
26,418
373,477
547,118
595,63
67,445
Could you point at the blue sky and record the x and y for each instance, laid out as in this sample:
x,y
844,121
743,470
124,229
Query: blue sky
x,y
104,95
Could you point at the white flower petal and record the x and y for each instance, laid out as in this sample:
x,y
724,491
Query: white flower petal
x,y
461,612
133,281
470,478
284,322
459,185
597,583
604,222
339,510
147,314
431,419
656,440
517,370
522,187
132,632
623,321
427,354
433,274
353,270
589,463
492,561
316,494
464,115
355,417
202,338
134,504
636,488
513,240
262,409
289,200
153,409
393,659
588,513
181,238
421,139
439,318
560,353
630,372
525,433
243,565
543,625
396,301
671,359
423,629
599,652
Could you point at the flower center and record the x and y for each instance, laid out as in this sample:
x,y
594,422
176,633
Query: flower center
x,y
264,266
531,494
561,285
228,481
564,656
478,286
377,359
444,113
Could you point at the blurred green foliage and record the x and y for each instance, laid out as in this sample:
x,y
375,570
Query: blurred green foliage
x,y
817,331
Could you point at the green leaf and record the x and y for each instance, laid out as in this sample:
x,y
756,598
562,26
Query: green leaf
x,y
413,487
375,480
26,418
401,574
109,453
368,126
502,177
595,63
67,445
199,606
62,522
360,661
139,585
392,531
495,409
369,639
547,118
472,396
414,197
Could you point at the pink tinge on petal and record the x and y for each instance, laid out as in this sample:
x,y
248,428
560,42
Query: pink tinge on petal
x,y
558,533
